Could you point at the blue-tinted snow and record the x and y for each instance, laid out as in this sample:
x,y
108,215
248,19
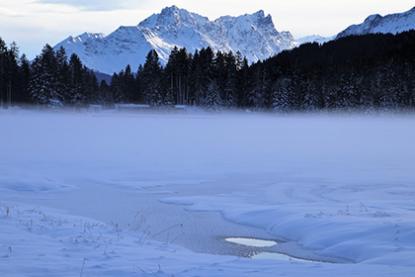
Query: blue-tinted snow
x,y
89,190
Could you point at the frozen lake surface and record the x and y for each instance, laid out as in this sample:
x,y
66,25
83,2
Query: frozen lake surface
x,y
123,194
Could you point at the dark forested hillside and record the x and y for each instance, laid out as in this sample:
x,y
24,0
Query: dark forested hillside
x,y
353,72
358,72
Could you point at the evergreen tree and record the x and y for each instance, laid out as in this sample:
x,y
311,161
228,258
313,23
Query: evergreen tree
x,y
231,84
257,95
3,75
212,99
197,80
8,74
282,93
116,88
312,99
137,96
243,82
219,71
12,71
150,78
23,95
106,96
44,85
176,81
128,80
76,90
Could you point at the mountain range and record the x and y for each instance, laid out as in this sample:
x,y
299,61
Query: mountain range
x,y
253,35
392,23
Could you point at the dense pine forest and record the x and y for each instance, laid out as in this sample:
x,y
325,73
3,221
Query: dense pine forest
x,y
359,72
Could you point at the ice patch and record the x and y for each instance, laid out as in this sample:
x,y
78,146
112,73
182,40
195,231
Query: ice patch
x,y
252,242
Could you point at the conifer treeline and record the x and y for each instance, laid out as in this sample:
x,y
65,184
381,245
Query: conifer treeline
x,y
358,72
203,79
51,79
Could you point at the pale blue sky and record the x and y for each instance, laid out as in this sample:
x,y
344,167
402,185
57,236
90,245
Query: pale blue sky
x,y
32,23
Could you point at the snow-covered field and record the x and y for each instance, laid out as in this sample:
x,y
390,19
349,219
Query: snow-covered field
x,y
146,194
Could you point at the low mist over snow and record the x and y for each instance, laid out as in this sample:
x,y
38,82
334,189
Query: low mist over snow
x,y
117,194
206,142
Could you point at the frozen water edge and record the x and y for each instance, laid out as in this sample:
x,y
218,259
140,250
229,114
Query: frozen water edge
x,y
279,257
141,211
43,242
282,251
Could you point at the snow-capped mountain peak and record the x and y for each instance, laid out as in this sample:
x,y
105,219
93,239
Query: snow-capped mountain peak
x,y
258,19
392,23
172,16
373,18
85,37
254,35
260,13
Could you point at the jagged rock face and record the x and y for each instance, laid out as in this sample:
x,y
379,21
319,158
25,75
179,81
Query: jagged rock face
x,y
393,23
253,35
